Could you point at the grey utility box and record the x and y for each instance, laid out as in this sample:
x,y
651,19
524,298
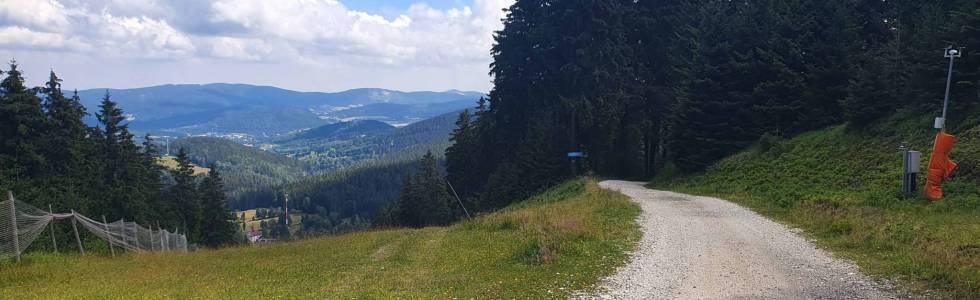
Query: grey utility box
x,y
913,160
910,168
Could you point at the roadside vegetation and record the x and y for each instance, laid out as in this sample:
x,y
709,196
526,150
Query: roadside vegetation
x,y
557,242
842,187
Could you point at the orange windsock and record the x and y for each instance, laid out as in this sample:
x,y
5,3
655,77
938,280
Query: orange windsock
x,y
940,166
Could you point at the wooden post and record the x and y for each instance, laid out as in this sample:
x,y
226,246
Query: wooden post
x,y
136,236
13,221
106,226
75,228
122,231
151,239
163,244
53,241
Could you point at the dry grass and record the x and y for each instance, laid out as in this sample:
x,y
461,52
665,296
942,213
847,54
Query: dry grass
x,y
170,162
563,240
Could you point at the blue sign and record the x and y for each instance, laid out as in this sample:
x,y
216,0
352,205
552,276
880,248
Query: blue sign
x,y
576,154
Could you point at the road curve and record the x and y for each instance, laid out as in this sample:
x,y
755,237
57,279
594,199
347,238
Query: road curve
x,y
707,248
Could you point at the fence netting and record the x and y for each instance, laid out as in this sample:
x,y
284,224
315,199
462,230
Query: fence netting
x,y
22,223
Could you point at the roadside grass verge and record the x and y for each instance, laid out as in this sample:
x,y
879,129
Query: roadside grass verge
x,y
842,189
560,241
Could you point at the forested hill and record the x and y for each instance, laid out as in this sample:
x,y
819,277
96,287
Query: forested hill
x,y
342,130
654,87
251,175
342,145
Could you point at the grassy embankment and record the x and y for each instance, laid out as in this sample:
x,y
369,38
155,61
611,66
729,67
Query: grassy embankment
x,y
842,188
170,162
562,240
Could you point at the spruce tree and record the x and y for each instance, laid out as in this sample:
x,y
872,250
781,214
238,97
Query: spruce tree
x,y
425,199
217,226
184,197
22,123
462,155
69,150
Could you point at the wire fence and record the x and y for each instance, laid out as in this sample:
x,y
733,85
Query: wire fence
x,y
22,223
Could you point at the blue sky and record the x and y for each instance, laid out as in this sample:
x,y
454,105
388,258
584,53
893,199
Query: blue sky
x,y
391,8
308,45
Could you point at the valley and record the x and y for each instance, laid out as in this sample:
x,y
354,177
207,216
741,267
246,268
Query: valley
x,y
339,175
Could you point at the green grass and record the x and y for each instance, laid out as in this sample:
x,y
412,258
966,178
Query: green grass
x,y
842,188
563,240
170,162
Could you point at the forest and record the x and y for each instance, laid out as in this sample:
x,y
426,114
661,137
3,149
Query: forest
x,y
648,88
49,156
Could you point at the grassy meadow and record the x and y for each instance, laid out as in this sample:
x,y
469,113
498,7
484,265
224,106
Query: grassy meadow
x,y
562,240
170,162
843,189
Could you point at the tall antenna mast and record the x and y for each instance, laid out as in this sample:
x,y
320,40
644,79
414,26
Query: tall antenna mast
x,y
286,201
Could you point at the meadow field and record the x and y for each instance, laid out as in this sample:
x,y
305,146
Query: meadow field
x,y
560,241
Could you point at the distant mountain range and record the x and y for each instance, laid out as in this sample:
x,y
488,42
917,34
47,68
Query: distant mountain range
x,y
252,114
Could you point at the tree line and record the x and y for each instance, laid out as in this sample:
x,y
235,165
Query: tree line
x,y
649,88
49,156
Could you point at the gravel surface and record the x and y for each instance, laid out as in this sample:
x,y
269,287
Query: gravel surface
x,y
707,248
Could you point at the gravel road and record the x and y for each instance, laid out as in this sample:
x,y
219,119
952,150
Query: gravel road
x,y
707,248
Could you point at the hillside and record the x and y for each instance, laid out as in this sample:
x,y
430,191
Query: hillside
x,y
251,113
250,174
170,162
348,193
841,186
342,145
558,242
344,130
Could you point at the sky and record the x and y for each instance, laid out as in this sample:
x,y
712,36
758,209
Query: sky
x,y
306,45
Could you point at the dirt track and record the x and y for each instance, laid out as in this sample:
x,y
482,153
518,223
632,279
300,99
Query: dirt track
x,y
706,248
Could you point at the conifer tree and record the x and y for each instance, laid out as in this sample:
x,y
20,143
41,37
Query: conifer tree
x,y
184,196
425,199
463,154
69,150
217,226
21,128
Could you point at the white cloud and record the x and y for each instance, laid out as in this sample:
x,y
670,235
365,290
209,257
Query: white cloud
x,y
421,35
16,36
244,49
317,36
46,24
142,36
44,15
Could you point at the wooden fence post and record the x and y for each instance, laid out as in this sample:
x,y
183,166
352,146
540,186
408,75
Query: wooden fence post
x,y
13,221
53,241
75,228
106,226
